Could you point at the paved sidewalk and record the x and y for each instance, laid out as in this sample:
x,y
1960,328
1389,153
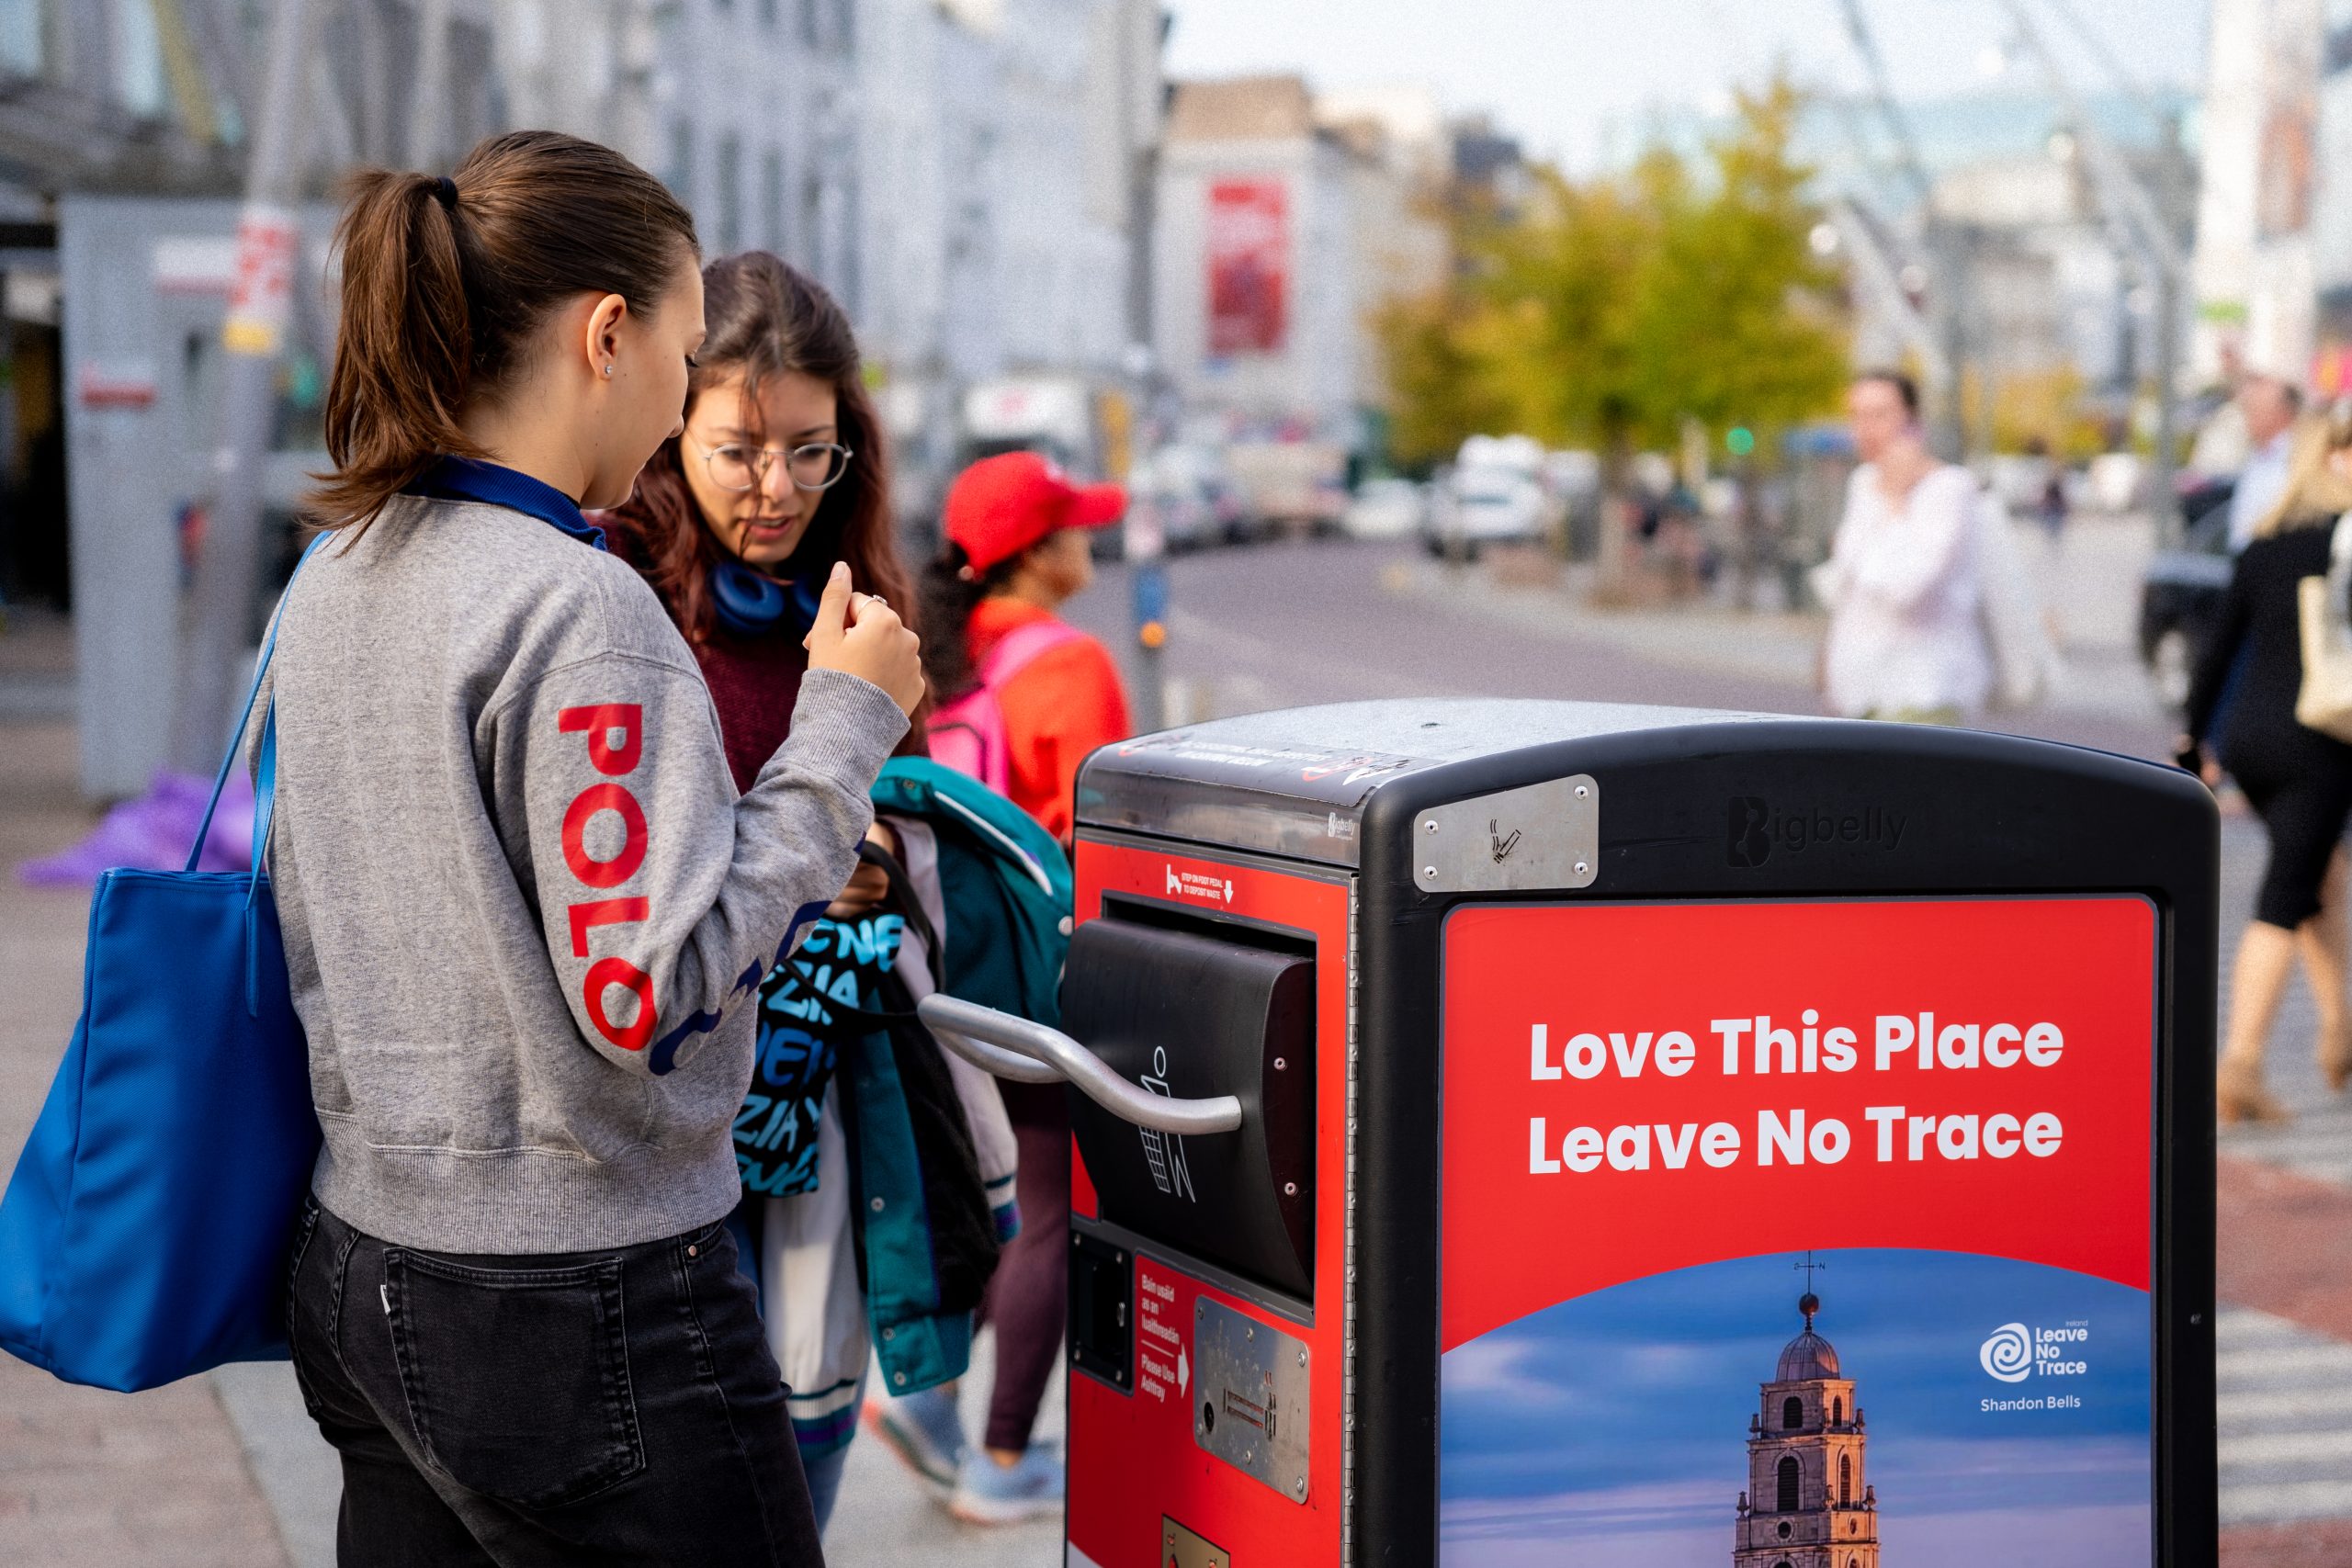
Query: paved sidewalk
x,y
2284,1257
228,1471
90,1479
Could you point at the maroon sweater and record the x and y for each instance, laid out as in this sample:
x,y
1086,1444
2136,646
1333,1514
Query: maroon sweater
x,y
754,681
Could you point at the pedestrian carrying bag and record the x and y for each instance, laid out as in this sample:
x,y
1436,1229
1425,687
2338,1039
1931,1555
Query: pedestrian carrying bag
x,y
143,1235
968,734
2323,604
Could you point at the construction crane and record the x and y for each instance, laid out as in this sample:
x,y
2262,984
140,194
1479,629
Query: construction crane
x,y
1945,244
2142,237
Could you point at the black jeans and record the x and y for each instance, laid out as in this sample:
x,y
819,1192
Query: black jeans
x,y
589,1407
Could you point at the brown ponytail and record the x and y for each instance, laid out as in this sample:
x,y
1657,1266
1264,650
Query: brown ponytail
x,y
444,280
951,590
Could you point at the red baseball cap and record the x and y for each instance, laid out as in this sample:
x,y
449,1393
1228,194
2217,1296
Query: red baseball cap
x,y
1001,505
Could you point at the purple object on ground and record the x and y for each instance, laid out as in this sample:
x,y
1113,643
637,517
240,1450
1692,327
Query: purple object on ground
x,y
153,831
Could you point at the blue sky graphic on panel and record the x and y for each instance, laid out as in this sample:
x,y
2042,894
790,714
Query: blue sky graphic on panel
x,y
1614,1428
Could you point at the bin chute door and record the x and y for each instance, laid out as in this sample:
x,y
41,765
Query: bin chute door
x,y
1190,1016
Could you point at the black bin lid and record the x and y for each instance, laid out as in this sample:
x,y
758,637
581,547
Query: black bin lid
x,y
1295,781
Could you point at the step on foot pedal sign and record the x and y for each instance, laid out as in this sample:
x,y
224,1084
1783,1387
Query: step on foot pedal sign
x,y
1797,1232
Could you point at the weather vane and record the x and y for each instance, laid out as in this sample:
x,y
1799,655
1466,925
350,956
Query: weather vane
x,y
1808,1266
1808,1303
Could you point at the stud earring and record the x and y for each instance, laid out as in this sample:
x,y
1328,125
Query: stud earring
x,y
608,372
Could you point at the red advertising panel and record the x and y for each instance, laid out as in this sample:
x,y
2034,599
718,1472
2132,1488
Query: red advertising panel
x,y
1889,1156
1248,266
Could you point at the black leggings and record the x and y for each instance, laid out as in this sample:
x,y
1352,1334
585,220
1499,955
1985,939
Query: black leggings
x,y
1028,1298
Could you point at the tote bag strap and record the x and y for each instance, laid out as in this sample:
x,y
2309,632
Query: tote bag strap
x,y
245,717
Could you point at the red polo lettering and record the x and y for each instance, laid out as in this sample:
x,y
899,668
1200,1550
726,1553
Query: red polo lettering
x,y
608,873
601,913
609,972
603,722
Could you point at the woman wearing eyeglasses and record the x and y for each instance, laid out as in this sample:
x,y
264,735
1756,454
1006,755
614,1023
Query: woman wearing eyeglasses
x,y
779,473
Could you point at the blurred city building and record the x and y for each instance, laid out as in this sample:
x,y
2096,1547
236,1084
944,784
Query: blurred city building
x,y
1254,278
2274,222
2021,260
1283,220
1399,147
2331,206
972,178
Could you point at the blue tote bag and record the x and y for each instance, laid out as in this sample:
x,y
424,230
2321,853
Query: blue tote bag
x,y
143,1236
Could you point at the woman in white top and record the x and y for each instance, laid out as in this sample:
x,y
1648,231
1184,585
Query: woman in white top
x,y
1907,638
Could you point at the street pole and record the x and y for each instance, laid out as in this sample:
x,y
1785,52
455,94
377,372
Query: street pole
x,y
252,340
427,99
2162,495
1948,244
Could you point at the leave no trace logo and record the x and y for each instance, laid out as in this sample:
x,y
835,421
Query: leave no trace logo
x,y
2007,1353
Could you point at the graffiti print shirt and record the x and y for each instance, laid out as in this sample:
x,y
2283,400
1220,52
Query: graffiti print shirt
x,y
808,1011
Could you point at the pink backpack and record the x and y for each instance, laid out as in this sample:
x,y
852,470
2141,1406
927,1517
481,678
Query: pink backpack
x,y
968,734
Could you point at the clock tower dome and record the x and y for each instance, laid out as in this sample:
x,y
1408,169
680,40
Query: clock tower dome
x,y
1809,1503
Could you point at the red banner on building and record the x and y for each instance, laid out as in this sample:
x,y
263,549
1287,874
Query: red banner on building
x,y
1248,265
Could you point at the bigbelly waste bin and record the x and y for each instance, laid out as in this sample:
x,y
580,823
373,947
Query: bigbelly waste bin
x,y
1541,1132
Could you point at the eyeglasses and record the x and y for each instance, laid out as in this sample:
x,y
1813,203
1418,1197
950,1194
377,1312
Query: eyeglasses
x,y
818,466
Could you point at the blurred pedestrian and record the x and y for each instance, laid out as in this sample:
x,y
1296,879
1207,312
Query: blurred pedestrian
x,y
780,471
2269,406
1024,698
2297,780
2050,488
518,892
1906,635
1018,537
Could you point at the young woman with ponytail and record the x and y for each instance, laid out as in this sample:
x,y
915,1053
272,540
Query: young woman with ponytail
x,y
525,907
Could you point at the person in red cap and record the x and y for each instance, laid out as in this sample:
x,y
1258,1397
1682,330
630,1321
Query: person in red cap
x,y
1017,550
1022,697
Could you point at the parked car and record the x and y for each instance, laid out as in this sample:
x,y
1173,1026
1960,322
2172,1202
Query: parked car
x,y
1494,495
1384,509
1295,485
1182,486
2180,600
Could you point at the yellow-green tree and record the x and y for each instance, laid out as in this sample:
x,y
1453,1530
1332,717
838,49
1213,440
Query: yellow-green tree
x,y
1615,309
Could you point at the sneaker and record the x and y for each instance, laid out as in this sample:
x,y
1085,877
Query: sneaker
x,y
922,1429
987,1492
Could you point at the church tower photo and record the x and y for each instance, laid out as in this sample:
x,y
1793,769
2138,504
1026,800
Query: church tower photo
x,y
1809,1503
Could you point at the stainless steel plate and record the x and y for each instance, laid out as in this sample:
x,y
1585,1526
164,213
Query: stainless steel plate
x,y
1535,838
1250,1396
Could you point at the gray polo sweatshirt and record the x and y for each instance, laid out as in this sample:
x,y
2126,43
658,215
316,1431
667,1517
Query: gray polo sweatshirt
x,y
525,912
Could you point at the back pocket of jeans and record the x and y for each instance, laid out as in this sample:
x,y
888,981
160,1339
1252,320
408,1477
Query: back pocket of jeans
x,y
517,1378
